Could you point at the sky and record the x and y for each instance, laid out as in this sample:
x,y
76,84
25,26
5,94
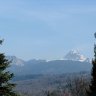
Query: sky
x,y
47,29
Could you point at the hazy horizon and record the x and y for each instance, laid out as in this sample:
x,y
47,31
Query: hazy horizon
x,y
47,29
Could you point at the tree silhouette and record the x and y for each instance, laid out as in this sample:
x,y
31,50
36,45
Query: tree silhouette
x,y
92,87
6,87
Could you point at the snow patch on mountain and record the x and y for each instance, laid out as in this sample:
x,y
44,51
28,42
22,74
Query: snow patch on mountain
x,y
75,56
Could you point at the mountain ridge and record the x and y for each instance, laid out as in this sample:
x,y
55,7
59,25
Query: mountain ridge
x,y
34,66
73,55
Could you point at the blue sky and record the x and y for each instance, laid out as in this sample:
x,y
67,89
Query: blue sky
x,y
47,29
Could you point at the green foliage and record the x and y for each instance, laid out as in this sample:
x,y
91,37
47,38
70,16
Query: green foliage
x,y
6,87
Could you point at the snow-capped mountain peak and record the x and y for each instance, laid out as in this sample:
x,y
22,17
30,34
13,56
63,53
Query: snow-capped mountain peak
x,y
15,60
75,55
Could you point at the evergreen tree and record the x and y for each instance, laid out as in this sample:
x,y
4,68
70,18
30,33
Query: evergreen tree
x,y
6,87
92,87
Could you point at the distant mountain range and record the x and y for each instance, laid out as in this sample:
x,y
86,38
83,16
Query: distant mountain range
x,y
72,62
